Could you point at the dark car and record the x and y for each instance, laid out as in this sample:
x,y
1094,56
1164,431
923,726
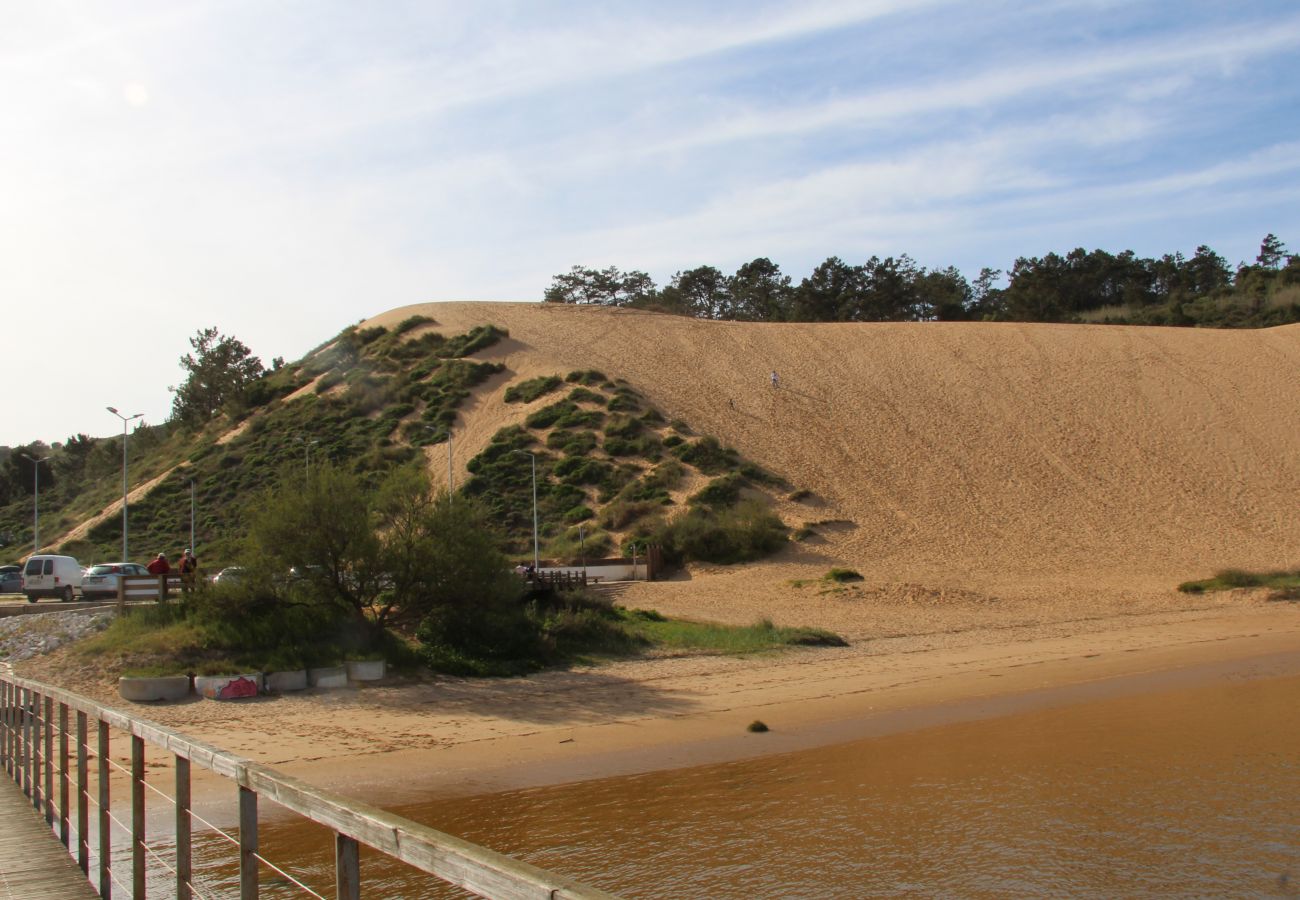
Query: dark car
x,y
11,579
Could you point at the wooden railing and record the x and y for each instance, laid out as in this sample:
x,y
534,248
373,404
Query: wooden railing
x,y
38,751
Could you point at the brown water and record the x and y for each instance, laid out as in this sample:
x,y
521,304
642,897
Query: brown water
x,y
1193,792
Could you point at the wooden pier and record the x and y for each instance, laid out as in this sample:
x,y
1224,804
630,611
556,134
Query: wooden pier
x,y
49,739
33,864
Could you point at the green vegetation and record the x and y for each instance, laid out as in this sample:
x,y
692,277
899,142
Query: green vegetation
x,y
1079,286
840,576
1228,579
388,392
530,390
758,726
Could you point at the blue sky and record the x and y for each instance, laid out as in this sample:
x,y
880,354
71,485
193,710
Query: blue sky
x,y
283,169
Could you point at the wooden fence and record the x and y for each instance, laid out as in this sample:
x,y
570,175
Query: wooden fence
x,y
49,756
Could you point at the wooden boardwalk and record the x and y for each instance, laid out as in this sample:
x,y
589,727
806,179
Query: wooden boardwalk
x,y
33,864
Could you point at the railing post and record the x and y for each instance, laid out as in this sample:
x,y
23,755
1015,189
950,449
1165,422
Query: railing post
x,y
28,694
137,816
6,752
34,751
183,826
64,776
247,844
105,824
49,760
347,868
83,796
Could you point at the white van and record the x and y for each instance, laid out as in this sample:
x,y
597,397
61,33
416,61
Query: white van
x,y
51,576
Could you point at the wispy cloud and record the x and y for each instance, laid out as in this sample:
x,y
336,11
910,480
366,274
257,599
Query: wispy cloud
x,y
283,169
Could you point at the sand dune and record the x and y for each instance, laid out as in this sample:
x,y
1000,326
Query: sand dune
x,y
1002,457
1021,500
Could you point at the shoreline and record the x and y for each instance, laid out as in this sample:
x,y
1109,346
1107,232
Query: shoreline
x,y
394,745
858,704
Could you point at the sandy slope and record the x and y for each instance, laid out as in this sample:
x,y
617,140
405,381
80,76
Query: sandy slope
x,y
992,457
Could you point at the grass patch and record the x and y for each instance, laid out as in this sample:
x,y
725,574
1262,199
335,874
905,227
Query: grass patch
x,y
762,636
1227,579
841,576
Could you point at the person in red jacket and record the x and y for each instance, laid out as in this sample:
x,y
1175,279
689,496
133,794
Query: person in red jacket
x,y
159,566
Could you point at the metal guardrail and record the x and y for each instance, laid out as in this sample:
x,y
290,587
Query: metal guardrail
x,y
36,751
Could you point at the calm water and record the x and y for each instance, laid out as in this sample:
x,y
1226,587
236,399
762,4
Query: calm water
x,y
1187,793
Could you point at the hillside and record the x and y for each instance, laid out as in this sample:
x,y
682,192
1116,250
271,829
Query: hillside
x,y
953,464
1002,458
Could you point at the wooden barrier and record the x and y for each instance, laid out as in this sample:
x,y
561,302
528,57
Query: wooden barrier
x,y
149,587
27,705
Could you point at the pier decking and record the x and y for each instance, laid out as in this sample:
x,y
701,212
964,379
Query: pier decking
x,y
33,864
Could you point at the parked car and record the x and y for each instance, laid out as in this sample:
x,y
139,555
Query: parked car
x,y
11,579
228,575
101,580
51,576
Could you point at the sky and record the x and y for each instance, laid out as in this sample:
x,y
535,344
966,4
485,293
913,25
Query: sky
x,y
281,169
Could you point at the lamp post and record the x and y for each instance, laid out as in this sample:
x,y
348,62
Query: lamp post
x,y
36,499
533,457
125,421
192,550
451,481
306,453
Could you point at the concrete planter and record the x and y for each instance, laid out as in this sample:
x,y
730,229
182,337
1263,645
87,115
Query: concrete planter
x,y
330,677
146,690
365,669
279,682
228,687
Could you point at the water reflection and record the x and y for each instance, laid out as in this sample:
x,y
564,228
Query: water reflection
x,y
1182,793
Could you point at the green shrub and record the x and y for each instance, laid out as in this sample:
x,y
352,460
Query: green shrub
x,y
707,455
624,403
530,390
578,514
842,575
646,446
549,415
582,395
587,377
412,322
1236,578
622,426
621,513
718,493
747,532
571,443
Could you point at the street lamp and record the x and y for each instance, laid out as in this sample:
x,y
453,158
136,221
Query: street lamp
x,y
451,482
306,453
125,421
533,457
36,499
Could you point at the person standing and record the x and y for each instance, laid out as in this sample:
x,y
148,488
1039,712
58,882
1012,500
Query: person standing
x,y
189,567
159,565
776,381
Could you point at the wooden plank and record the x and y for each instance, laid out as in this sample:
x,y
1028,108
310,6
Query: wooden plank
x,y
105,824
347,868
184,830
64,776
137,817
33,864
248,885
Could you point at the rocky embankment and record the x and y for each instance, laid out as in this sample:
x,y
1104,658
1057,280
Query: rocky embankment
x,y
22,637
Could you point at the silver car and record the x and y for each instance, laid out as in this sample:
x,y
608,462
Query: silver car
x,y
100,581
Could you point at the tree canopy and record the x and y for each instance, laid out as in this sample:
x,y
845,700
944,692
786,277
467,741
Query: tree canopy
x,y
219,371
1081,285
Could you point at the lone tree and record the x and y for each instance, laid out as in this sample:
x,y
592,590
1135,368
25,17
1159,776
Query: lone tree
x,y
220,369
